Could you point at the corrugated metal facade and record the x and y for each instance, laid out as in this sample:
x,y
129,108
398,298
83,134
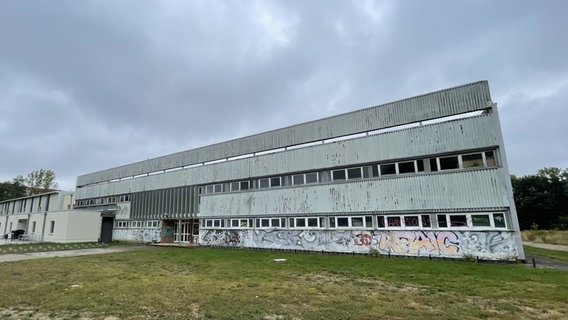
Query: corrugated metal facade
x,y
473,190
463,134
160,194
462,99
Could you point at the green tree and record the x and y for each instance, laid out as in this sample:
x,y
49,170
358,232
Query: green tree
x,y
542,199
39,181
11,190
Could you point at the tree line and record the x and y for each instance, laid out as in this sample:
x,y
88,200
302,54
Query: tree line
x,y
541,199
37,181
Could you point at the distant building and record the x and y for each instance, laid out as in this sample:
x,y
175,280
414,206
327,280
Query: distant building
x,y
48,217
423,176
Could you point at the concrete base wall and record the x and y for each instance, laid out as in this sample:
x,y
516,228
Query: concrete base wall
x,y
486,245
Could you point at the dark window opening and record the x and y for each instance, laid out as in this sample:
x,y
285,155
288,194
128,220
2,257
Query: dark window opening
x,y
449,163
387,169
406,167
458,221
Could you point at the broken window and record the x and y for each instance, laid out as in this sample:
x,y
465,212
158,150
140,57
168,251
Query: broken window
x,y
472,160
490,159
448,163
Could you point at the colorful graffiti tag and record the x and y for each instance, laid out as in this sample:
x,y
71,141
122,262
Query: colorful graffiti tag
x,y
484,244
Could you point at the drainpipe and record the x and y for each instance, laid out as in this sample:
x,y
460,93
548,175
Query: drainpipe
x,y
44,218
43,226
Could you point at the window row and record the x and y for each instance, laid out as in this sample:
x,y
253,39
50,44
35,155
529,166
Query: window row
x,y
479,159
103,200
371,222
153,224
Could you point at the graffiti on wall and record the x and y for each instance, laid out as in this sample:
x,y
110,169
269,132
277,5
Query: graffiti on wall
x,y
136,235
485,244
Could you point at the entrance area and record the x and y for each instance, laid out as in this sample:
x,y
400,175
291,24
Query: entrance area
x,y
180,231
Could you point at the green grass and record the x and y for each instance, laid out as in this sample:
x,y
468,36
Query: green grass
x,y
554,254
207,283
48,246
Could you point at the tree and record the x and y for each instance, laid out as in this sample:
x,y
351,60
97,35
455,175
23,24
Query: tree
x,y
11,190
542,199
39,181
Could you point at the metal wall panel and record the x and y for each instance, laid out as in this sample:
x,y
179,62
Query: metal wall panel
x,y
427,192
462,99
463,134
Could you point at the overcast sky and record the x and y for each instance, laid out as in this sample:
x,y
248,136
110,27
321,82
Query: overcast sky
x,y
90,85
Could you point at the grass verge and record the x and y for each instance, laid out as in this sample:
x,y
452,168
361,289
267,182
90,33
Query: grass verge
x,y
208,283
47,246
553,254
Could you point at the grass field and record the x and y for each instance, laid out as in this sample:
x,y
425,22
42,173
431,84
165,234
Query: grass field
x,y
207,283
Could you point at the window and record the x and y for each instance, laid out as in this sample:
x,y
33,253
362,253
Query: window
x,y
388,169
448,163
312,177
338,174
33,226
354,173
433,165
235,186
411,221
393,221
275,182
51,226
218,188
380,222
305,222
499,220
263,183
357,222
472,160
425,220
242,223
244,185
458,221
420,165
490,159
480,220
442,221
298,179
209,189
122,224
313,222
342,222
406,167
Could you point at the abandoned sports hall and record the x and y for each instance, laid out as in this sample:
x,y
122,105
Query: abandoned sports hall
x,y
423,176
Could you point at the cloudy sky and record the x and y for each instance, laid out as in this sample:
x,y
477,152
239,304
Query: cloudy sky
x,y
90,85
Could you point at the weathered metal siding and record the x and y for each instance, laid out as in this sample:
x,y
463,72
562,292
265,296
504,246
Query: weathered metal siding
x,y
180,202
462,99
463,134
428,192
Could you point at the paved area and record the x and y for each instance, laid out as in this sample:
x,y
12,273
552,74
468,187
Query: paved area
x,y
556,247
68,253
